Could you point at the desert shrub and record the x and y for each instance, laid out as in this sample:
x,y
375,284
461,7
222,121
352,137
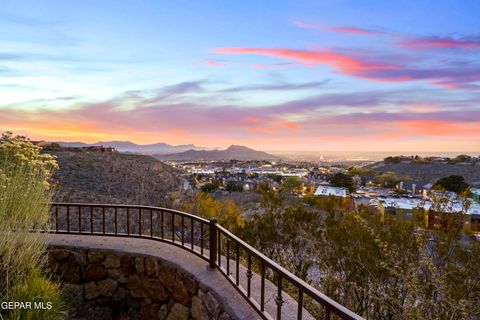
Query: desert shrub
x,y
25,195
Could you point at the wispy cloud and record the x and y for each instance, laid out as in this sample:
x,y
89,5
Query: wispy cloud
x,y
338,29
183,87
438,42
214,63
176,109
342,62
454,75
278,86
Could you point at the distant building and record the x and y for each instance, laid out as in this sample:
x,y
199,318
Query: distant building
x,y
437,218
331,191
400,207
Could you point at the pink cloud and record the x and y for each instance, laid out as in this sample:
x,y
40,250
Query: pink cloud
x,y
213,63
181,119
352,30
338,29
454,76
342,62
431,43
286,124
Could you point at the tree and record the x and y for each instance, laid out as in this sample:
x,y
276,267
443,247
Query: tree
x,y
343,180
285,234
391,159
211,186
233,186
453,183
292,185
225,211
462,158
275,177
359,171
387,179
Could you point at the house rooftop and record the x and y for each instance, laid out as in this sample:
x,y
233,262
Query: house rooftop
x,y
329,190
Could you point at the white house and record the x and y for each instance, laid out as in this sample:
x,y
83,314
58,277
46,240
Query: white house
x,y
331,191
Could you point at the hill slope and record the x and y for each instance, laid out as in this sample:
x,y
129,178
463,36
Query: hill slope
x,y
113,178
231,153
429,172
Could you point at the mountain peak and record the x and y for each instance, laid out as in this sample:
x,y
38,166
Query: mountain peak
x,y
234,152
235,147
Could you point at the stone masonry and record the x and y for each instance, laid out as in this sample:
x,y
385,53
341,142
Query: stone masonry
x,y
103,284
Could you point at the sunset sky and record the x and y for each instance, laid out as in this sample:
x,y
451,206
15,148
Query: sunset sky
x,y
272,75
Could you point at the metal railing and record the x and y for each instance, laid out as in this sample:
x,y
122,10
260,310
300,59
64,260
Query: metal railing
x,y
239,262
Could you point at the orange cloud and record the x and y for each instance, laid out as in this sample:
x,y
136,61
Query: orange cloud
x,y
287,124
261,129
423,108
440,128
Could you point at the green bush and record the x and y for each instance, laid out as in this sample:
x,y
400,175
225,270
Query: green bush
x,y
43,291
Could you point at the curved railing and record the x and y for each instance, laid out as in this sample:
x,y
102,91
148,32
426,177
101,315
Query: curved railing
x,y
208,240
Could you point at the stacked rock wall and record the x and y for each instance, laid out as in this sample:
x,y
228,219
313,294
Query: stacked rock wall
x,y
103,284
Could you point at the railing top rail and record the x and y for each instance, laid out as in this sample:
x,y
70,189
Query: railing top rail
x,y
133,206
340,309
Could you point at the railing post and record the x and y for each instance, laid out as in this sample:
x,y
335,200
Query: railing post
x,y
213,242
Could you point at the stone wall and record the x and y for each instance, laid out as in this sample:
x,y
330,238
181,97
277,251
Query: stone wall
x,y
103,284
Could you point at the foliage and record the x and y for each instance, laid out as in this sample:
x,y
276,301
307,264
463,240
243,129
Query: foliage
x,y
24,211
38,288
391,159
387,179
285,234
225,211
462,158
360,171
275,177
292,185
381,268
452,183
233,186
343,180
211,186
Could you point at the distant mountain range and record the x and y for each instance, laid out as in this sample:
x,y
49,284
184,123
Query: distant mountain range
x,y
127,146
231,153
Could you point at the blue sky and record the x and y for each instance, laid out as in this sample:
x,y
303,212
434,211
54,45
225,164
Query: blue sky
x,y
316,75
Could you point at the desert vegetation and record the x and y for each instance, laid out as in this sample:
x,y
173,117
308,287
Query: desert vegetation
x,y
381,267
25,194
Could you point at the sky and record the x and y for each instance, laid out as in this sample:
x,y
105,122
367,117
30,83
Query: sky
x,y
272,75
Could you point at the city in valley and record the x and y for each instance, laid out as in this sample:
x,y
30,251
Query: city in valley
x,y
368,184
398,185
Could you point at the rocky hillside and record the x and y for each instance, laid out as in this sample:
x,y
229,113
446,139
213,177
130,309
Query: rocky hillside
x,y
113,178
430,172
